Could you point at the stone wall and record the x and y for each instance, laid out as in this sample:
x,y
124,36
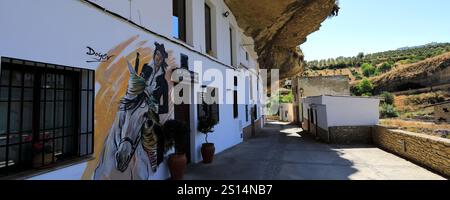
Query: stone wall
x,y
322,135
321,85
247,131
315,131
317,86
351,135
258,125
428,151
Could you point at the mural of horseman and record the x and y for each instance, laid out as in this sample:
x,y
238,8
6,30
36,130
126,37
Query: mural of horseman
x,y
136,145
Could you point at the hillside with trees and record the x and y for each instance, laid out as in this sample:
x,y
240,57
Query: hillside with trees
x,y
408,79
387,59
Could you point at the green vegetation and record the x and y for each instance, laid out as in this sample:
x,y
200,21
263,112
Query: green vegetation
x,y
401,56
368,70
288,98
276,98
388,111
383,68
387,108
363,88
388,97
355,74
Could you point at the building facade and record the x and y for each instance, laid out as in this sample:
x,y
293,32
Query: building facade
x,y
75,73
340,119
316,86
286,112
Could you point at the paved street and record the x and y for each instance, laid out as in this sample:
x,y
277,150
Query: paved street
x,y
280,153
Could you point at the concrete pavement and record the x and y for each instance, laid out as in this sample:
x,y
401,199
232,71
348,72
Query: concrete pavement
x,y
280,153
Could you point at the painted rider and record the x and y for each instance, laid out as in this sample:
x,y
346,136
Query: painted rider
x,y
154,75
157,87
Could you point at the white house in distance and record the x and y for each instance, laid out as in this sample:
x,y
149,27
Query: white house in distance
x,y
286,112
340,119
64,71
315,86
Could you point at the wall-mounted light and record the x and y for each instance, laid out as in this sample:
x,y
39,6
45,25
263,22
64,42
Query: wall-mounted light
x,y
226,14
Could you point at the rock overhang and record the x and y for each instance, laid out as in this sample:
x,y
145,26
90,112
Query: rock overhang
x,y
279,27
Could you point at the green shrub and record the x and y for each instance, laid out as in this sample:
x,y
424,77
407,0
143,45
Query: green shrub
x,y
383,68
364,88
388,111
288,98
368,70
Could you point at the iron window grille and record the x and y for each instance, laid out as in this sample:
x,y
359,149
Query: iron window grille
x,y
46,114
209,109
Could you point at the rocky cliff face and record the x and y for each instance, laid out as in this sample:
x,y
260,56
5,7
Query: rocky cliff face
x,y
278,27
428,73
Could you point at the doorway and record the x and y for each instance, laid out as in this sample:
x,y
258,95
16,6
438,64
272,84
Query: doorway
x,y
253,119
182,113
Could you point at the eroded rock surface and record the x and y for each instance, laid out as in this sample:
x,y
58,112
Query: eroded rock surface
x,y
279,26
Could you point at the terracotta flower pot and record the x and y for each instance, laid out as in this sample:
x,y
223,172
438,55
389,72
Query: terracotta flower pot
x,y
177,165
208,150
37,160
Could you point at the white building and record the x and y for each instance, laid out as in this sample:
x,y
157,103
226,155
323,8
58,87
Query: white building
x,y
316,86
340,119
63,61
286,112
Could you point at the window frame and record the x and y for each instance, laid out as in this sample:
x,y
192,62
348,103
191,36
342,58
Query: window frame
x,y
246,112
179,11
211,110
39,70
208,12
235,99
232,49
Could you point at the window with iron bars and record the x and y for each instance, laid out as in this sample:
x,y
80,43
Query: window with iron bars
x,y
46,115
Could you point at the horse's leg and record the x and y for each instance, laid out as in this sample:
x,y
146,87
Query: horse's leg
x,y
141,165
106,168
105,161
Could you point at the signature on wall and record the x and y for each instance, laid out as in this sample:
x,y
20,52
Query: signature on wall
x,y
97,56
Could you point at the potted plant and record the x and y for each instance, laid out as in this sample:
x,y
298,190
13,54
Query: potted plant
x,y
206,126
47,149
176,133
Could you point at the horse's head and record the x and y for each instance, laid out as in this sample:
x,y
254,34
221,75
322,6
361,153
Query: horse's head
x,y
134,109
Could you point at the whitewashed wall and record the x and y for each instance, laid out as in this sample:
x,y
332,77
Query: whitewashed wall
x,y
344,110
352,111
54,31
316,103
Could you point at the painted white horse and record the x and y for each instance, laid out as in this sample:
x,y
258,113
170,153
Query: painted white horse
x,y
123,156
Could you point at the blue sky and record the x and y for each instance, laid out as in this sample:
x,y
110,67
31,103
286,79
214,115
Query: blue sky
x,y
377,25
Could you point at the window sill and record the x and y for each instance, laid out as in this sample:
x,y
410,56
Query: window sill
x,y
57,166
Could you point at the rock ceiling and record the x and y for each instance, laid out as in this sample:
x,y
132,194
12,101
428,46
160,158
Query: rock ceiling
x,y
279,26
